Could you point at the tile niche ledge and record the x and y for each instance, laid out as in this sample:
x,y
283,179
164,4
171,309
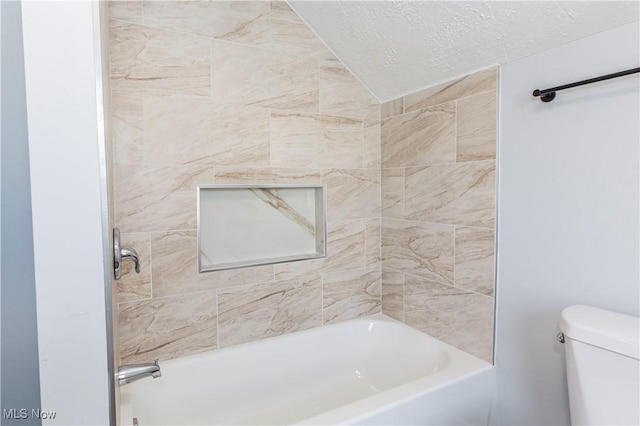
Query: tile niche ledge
x,y
250,225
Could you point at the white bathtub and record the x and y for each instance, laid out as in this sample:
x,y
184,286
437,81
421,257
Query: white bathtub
x,y
365,371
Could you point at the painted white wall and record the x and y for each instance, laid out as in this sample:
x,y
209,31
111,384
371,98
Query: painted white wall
x,y
568,222
63,120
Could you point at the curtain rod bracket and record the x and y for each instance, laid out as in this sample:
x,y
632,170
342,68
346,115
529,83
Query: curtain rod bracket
x,y
547,95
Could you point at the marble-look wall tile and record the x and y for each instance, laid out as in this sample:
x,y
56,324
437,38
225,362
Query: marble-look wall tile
x,y
458,317
295,139
441,190
420,138
266,175
474,263
294,37
350,294
372,144
167,327
282,10
192,131
255,312
131,285
393,294
126,10
146,60
245,75
472,84
230,93
175,267
342,94
352,193
392,108
242,22
461,194
476,131
373,239
423,249
345,251
150,198
127,128
340,143
303,140
393,193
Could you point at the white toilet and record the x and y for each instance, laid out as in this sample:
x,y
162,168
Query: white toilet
x,y
603,366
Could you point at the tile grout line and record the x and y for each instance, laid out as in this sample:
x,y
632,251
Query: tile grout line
x,y
404,280
484,92
455,134
271,139
488,228
211,71
470,162
364,154
322,299
444,284
150,263
454,256
404,193
217,318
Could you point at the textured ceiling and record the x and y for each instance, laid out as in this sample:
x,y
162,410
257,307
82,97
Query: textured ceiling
x,y
398,47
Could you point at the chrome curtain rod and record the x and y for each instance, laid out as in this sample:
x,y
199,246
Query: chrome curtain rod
x,y
547,95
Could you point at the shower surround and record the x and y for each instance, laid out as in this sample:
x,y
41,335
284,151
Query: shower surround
x,y
438,211
244,93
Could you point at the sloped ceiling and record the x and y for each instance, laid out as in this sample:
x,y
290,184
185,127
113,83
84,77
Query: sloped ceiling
x,y
398,47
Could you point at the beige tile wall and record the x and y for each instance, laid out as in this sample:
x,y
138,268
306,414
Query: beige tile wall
x,y
438,160
235,92
243,92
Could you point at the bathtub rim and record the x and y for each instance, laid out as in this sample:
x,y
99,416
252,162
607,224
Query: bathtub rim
x,y
360,409
378,317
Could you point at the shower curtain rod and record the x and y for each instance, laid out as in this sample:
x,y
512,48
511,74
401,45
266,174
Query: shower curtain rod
x,y
547,95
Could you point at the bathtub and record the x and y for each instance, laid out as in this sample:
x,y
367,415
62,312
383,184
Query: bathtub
x,y
366,371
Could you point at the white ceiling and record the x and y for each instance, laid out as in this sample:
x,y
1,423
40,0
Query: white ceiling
x,y
398,47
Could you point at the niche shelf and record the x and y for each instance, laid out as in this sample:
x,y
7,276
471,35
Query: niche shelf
x,y
249,225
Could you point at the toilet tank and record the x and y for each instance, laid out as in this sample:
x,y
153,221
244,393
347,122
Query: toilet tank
x,y
603,366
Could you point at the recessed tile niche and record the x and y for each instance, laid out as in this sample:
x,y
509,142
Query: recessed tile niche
x,y
247,225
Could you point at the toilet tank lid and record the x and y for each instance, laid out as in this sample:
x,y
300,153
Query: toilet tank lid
x,y
598,327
